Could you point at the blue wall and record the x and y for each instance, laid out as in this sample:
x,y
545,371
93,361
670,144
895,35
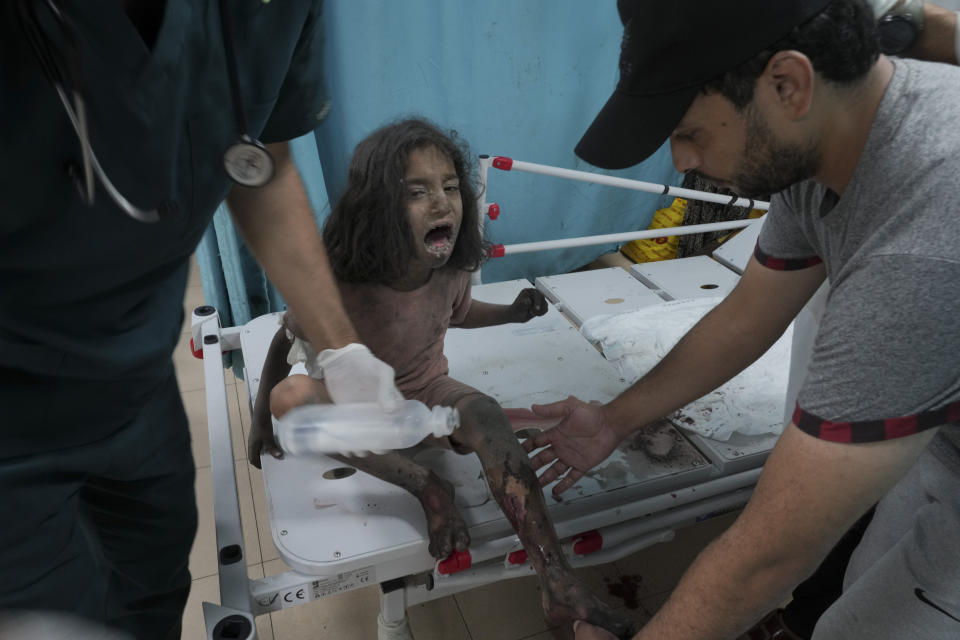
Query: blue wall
x,y
521,79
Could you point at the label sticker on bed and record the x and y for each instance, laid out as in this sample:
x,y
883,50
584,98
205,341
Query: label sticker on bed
x,y
342,582
291,596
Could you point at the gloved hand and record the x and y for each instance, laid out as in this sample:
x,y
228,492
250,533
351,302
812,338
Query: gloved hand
x,y
353,374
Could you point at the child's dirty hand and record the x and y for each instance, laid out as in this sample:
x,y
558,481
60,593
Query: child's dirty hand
x,y
261,438
529,304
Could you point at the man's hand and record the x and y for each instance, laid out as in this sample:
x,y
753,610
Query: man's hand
x,y
581,441
261,438
529,304
586,631
354,375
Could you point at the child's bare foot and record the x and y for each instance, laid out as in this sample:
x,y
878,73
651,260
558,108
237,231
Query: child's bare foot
x,y
447,530
565,599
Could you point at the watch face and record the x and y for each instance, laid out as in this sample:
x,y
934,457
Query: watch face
x,y
248,164
896,34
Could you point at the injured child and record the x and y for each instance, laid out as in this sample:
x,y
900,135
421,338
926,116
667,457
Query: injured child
x,y
402,241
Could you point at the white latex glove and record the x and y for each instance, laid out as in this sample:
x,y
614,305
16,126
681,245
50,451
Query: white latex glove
x,y
353,374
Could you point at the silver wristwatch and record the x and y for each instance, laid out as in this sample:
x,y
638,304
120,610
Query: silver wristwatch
x,y
901,26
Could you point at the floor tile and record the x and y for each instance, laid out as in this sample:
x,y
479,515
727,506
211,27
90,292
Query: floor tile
x,y
208,590
606,582
658,568
517,603
194,278
438,620
268,551
346,616
195,404
598,579
248,520
244,405
203,555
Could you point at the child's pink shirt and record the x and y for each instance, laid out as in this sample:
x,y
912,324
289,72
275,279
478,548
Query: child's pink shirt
x,y
405,329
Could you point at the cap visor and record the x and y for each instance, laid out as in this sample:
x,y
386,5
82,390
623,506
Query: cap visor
x,y
630,128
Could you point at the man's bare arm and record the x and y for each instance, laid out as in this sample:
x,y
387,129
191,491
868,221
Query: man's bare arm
x,y
938,40
725,341
278,225
810,493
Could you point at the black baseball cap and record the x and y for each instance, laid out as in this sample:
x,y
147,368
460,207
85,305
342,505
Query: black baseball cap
x,y
670,49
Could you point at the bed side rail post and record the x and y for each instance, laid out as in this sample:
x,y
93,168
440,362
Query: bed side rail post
x,y
233,617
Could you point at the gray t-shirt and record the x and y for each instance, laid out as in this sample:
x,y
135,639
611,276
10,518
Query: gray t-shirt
x,y
885,361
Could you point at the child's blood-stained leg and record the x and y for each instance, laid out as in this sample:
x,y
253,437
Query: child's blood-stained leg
x,y
445,527
486,430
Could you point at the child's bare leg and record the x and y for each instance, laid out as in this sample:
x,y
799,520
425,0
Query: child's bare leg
x,y
485,429
294,391
445,526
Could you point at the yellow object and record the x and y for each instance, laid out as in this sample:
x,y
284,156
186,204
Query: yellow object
x,y
658,248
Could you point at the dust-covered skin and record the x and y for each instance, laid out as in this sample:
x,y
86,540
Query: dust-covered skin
x,y
486,430
445,527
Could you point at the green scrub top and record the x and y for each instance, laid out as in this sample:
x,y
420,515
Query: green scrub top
x,y
88,292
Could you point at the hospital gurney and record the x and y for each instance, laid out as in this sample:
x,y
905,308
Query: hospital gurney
x,y
339,530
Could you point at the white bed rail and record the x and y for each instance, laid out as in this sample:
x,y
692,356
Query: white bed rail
x,y
505,163
233,617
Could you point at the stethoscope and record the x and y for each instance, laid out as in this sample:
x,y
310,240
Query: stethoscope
x,y
247,161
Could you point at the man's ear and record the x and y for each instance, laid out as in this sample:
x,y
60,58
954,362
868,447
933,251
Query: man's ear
x,y
790,77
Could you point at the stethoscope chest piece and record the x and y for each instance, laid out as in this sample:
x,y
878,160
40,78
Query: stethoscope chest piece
x,y
248,163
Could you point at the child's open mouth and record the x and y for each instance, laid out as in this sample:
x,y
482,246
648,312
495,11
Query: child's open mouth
x,y
439,239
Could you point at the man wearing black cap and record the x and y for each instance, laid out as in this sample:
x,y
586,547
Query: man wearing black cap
x,y
862,153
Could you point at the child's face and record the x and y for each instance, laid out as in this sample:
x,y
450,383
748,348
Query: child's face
x,y
434,208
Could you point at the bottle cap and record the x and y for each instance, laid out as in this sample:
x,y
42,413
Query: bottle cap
x,y
444,421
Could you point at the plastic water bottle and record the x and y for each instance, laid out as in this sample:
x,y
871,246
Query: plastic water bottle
x,y
356,428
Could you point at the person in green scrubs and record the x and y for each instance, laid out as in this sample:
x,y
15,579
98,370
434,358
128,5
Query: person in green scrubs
x,y
96,473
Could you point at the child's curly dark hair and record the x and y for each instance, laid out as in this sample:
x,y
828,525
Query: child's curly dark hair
x,y
367,235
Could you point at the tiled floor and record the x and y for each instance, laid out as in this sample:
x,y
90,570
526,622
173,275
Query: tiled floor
x,y
641,582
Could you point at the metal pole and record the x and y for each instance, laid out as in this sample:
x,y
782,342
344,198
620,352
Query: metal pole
x,y
506,164
527,247
483,165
